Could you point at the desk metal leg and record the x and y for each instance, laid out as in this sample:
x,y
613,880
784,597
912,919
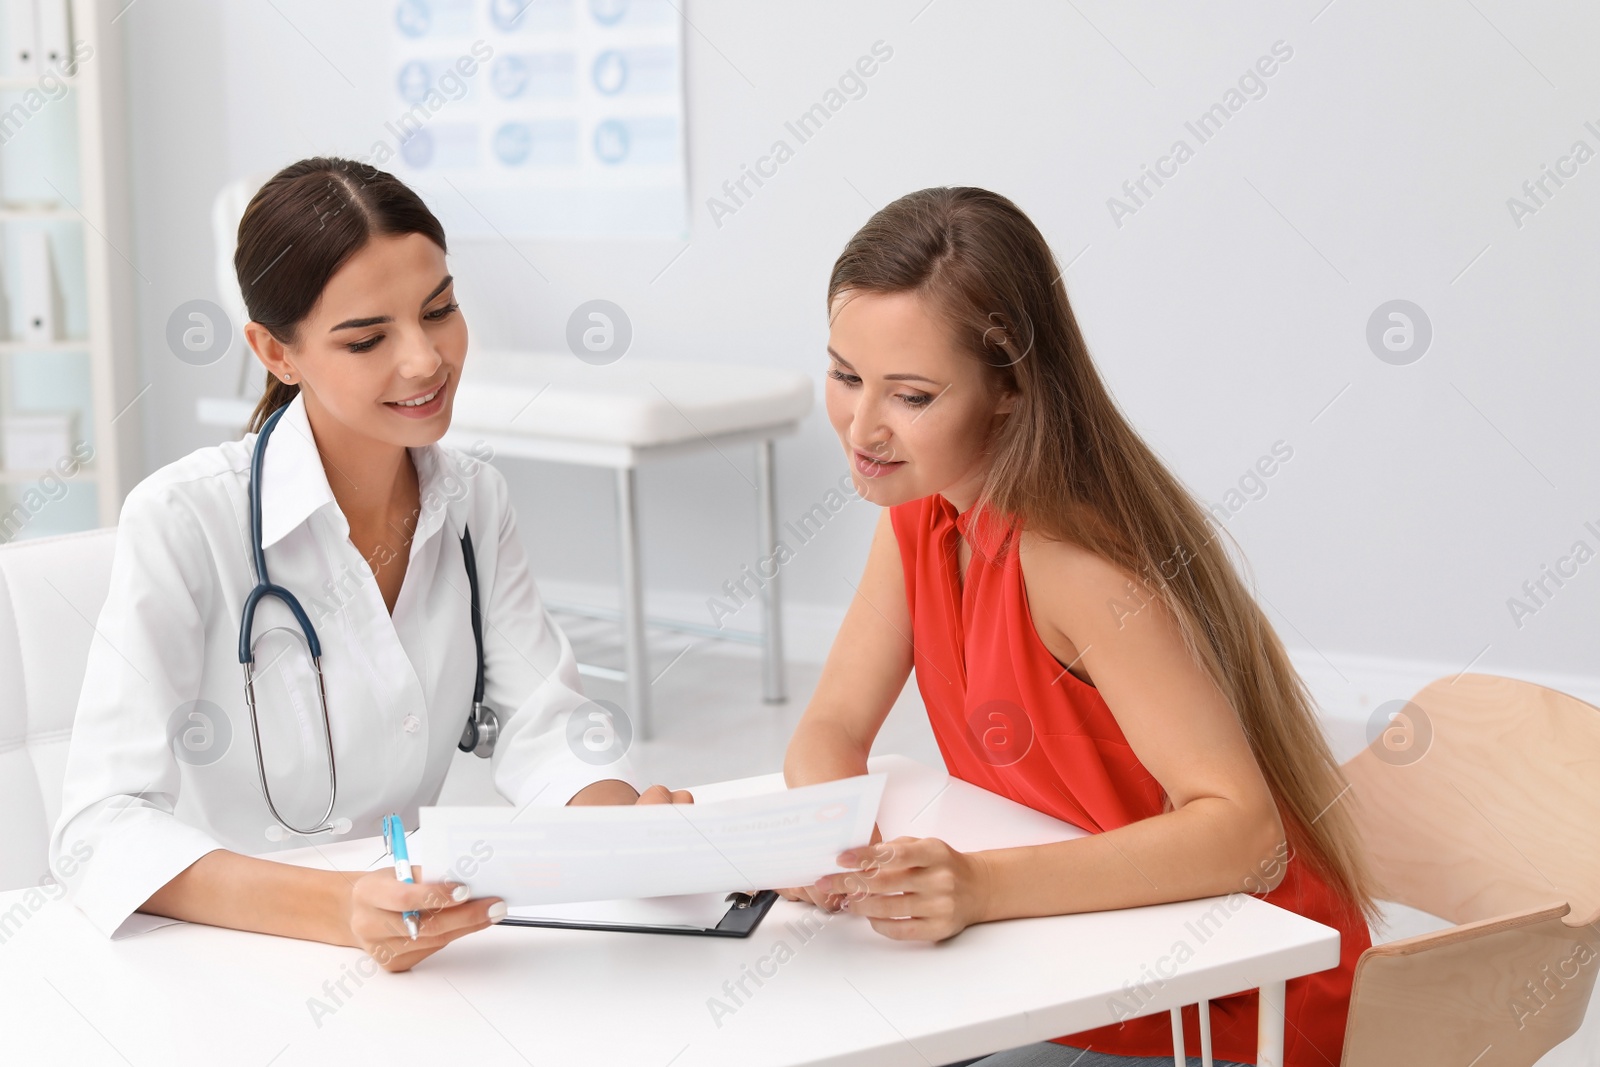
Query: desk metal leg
x,y
772,688
636,659
1269,1026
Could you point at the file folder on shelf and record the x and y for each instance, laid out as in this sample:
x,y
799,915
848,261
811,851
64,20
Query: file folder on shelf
x,y
23,35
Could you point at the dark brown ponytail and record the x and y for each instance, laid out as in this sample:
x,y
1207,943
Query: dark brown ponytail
x,y
299,229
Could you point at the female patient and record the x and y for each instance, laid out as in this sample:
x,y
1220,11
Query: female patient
x,y
363,516
1081,641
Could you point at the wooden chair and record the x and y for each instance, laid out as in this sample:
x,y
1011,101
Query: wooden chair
x,y
1481,806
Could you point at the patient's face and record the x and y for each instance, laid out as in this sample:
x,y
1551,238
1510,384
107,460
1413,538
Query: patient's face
x,y
386,328
928,431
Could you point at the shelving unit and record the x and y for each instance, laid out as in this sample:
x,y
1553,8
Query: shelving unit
x,y
63,170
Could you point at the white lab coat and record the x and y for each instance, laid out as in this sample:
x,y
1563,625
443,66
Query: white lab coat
x,y
399,689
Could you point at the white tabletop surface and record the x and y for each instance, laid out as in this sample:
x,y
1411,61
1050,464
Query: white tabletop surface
x,y
838,994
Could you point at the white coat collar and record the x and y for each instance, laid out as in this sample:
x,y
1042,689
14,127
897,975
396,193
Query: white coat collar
x,y
294,484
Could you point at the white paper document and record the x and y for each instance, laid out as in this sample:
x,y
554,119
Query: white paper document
x,y
606,852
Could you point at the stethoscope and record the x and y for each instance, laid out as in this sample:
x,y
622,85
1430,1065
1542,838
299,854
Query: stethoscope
x,y
483,725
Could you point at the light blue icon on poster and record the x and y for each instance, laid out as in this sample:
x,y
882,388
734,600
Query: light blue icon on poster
x,y
611,141
413,17
530,16
610,72
443,146
647,140
537,143
509,76
414,81
512,143
642,71
506,13
417,150
608,12
632,12
513,16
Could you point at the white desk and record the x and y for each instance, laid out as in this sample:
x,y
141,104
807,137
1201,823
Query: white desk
x,y
843,996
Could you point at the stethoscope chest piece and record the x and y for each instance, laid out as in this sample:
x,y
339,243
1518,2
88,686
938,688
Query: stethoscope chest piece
x,y
483,725
481,732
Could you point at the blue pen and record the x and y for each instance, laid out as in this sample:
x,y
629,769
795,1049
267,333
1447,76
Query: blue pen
x,y
394,836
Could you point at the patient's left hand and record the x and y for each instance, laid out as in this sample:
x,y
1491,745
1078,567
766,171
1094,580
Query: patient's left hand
x,y
913,888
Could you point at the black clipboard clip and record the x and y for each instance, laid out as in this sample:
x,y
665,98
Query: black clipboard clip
x,y
744,914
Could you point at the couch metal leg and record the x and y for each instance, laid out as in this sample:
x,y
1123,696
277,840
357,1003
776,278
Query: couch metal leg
x,y
636,657
772,681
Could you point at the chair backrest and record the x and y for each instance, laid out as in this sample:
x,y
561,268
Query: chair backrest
x,y
1481,806
1495,805
1494,993
51,592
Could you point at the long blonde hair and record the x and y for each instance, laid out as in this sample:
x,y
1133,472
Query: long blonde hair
x,y
1068,465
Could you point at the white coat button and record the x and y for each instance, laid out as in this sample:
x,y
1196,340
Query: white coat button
x,y
410,724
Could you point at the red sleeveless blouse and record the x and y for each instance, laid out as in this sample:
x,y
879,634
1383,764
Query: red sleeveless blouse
x,y
1008,718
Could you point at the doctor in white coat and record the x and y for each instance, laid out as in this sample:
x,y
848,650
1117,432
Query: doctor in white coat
x,y
353,313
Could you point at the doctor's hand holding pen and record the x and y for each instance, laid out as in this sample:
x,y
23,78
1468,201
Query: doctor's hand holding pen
x,y
401,923
358,909
378,903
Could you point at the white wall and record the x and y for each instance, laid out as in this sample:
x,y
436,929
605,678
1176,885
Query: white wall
x,y
1228,312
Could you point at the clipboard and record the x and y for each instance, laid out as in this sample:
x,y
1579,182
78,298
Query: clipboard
x,y
745,912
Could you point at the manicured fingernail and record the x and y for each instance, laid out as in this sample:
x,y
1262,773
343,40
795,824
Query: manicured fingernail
x,y
460,893
497,911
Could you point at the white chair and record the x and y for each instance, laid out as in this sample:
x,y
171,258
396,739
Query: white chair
x,y
558,408
51,592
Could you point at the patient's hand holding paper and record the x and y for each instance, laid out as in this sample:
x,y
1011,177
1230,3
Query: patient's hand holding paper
x,y
606,852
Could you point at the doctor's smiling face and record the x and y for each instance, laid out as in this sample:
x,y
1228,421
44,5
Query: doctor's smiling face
x,y
914,412
380,353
